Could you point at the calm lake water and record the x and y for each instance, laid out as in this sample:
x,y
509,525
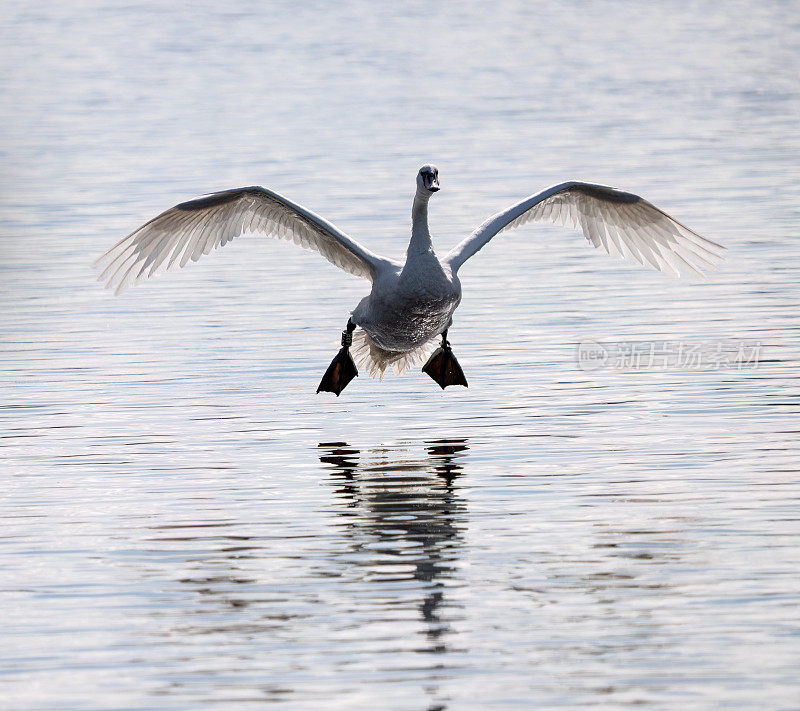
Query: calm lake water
x,y
185,524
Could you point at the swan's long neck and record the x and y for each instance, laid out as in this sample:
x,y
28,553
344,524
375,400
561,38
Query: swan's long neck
x,y
420,235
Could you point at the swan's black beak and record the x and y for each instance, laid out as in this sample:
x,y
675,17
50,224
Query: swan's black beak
x,y
431,181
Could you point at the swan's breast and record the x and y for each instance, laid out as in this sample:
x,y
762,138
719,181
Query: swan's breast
x,y
403,313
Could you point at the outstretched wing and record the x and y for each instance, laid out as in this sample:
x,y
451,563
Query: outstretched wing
x,y
193,228
623,224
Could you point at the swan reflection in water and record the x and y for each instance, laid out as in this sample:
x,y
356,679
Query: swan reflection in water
x,y
249,599
404,521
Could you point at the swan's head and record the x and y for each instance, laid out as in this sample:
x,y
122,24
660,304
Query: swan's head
x,y
428,179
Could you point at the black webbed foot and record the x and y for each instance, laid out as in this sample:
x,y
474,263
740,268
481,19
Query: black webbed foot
x,y
342,368
339,373
443,367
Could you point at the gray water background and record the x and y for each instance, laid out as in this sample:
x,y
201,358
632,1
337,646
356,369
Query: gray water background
x,y
185,524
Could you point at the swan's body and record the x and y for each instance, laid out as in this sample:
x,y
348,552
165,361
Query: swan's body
x,y
410,304
406,309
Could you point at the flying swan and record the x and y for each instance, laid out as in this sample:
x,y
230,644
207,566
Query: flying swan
x,y
412,304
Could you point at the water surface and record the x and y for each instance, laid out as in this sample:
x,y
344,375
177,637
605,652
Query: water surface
x,y
186,524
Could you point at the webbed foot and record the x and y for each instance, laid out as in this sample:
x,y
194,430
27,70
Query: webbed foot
x,y
342,368
443,367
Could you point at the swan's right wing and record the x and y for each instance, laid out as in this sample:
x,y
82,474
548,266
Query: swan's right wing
x,y
193,228
623,224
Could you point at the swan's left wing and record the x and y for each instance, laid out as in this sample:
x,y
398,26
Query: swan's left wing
x,y
623,224
194,228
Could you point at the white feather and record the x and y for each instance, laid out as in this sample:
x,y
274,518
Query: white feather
x,y
623,224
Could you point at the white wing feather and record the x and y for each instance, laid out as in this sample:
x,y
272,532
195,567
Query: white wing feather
x,y
193,228
623,224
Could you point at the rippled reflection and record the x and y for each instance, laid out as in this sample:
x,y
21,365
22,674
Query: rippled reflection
x,y
403,521
379,583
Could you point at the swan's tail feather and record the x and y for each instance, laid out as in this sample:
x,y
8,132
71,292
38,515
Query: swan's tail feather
x,y
377,361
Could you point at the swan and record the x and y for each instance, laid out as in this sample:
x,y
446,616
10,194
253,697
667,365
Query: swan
x,y
411,304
